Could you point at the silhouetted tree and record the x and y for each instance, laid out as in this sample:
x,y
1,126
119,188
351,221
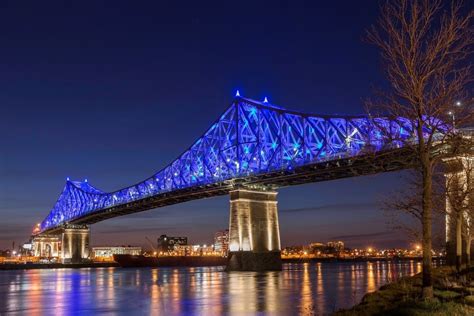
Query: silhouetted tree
x,y
424,45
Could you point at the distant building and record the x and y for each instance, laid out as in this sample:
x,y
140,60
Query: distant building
x,y
183,250
316,247
190,250
221,241
338,246
107,253
292,250
26,249
167,243
203,249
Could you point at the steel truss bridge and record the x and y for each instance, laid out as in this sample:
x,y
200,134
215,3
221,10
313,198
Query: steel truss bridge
x,y
252,144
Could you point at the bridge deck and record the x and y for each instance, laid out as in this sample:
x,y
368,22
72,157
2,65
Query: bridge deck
x,y
392,160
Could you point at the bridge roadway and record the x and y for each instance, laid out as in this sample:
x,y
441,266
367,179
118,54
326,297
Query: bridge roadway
x,y
386,161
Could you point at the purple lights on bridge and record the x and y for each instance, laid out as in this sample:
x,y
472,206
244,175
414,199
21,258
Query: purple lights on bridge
x,y
251,138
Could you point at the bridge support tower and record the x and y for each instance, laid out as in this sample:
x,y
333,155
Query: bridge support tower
x,y
75,244
458,167
254,234
46,246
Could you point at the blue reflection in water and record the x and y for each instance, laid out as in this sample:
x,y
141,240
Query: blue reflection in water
x,y
306,288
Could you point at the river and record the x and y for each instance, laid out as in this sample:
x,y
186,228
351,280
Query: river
x,y
301,288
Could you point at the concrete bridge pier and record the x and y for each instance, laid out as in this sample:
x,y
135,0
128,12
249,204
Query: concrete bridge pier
x,y
459,167
46,246
254,234
75,244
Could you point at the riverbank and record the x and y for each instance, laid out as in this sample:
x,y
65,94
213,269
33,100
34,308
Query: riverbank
x,y
129,261
27,266
141,261
454,295
358,259
126,261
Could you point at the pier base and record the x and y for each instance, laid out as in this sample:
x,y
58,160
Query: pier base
x,y
46,246
458,171
254,234
75,244
254,261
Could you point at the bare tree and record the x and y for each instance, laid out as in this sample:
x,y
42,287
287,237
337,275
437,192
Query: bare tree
x,y
459,199
469,231
404,207
424,45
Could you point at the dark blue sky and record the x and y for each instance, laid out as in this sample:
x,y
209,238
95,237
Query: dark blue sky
x,y
114,90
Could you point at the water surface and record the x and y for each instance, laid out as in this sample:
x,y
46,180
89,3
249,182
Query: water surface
x,y
303,288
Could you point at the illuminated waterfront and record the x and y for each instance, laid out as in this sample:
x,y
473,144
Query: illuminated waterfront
x,y
307,288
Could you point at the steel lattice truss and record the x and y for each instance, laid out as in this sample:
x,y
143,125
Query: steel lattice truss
x,y
250,138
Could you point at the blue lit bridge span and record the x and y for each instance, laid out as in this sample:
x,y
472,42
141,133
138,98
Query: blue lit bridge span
x,y
251,144
250,151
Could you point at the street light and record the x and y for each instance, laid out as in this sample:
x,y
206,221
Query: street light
x,y
458,103
453,117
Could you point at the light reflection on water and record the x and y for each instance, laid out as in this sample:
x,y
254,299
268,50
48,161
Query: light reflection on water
x,y
302,288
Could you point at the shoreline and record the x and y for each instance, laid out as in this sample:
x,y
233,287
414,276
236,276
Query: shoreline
x,y
453,295
305,260
33,266
184,263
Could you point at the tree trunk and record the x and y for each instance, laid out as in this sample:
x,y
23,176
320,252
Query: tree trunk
x,y
468,252
427,285
458,241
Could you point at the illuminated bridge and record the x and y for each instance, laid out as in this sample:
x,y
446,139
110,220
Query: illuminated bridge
x,y
252,149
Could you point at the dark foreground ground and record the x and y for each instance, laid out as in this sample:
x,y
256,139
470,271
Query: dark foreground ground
x,y
454,295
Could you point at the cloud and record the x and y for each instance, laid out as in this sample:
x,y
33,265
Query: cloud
x,y
18,203
364,236
138,229
16,174
13,232
333,207
11,224
152,213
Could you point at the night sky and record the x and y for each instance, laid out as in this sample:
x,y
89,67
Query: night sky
x,y
112,91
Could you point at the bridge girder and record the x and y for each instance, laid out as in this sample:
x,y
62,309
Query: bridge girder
x,y
251,143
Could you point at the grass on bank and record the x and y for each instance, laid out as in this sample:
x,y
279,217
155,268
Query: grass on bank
x,y
453,296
